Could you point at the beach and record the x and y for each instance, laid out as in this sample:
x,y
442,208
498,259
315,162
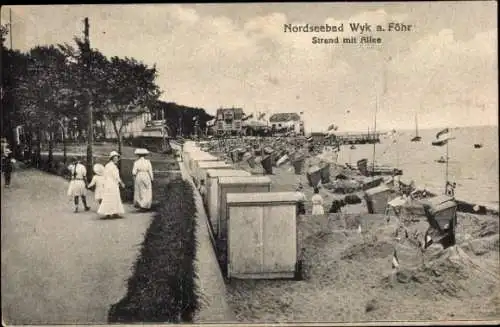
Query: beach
x,y
347,274
474,170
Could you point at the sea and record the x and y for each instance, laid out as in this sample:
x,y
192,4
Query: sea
x,y
475,171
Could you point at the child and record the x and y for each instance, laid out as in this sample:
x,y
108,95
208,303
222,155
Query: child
x,y
76,188
98,182
301,208
203,189
317,202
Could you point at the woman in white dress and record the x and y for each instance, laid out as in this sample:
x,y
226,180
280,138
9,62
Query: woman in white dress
x,y
317,202
143,178
111,205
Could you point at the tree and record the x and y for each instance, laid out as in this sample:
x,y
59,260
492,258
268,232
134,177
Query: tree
x,y
13,68
44,94
4,31
180,117
129,91
119,89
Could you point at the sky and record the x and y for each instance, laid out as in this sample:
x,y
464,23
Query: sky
x,y
443,71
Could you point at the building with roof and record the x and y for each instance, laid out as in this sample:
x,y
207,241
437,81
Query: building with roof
x,y
254,127
286,123
133,126
229,121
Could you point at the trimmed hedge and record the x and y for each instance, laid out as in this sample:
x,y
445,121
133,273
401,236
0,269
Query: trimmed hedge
x,y
162,287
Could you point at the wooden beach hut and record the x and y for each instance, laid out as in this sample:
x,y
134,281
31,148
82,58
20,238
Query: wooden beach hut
x,y
325,173
441,213
262,235
228,185
313,176
377,199
203,166
212,198
198,157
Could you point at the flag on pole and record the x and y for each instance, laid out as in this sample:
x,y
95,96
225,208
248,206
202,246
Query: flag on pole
x,y
247,117
395,260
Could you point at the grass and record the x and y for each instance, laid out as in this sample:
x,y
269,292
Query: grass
x,y
103,150
162,287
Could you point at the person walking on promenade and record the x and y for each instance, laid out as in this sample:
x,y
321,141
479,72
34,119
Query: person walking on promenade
x,y
143,178
77,184
98,182
317,202
111,205
7,166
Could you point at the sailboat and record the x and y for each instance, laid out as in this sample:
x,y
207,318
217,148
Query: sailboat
x,y
416,138
478,146
442,159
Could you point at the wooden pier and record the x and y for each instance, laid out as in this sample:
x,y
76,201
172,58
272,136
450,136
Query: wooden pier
x,y
365,138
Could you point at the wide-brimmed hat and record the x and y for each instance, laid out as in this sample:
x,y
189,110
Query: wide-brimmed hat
x,y
141,152
98,169
7,151
113,154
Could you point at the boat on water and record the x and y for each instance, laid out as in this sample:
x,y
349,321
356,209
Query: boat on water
x,y
439,142
367,169
478,146
416,138
441,160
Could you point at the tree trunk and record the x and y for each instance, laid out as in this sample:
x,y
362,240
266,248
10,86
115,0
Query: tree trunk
x,y
38,150
104,134
65,155
120,150
50,158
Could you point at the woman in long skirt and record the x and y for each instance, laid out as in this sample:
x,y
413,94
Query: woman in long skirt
x,y
143,178
317,202
111,205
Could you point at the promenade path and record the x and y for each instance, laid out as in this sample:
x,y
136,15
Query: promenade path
x,y
58,266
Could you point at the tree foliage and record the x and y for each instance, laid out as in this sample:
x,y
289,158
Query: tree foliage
x,y
48,87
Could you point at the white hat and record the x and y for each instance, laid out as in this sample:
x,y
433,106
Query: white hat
x,y
114,154
141,151
98,169
7,151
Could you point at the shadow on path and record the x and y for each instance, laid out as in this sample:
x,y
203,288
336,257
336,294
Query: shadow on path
x,y
60,267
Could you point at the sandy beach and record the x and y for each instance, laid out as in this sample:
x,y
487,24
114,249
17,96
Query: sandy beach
x,y
347,275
